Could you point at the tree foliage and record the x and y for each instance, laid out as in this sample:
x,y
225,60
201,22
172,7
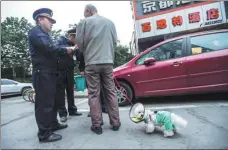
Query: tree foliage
x,y
14,33
14,44
121,55
55,34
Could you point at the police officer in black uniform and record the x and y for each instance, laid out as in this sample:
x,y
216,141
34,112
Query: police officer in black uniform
x,y
44,57
66,78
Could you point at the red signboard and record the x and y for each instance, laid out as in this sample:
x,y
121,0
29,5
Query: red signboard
x,y
194,17
161,24
146,27
212,14
177,21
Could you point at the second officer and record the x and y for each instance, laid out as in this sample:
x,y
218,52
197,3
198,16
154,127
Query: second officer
x,y
65,80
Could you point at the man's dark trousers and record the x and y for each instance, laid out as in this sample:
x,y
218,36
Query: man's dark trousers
x,y
45,104
66,81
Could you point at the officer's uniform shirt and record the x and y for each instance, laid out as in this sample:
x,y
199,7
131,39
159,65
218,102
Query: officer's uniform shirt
x,y
43,51
65,61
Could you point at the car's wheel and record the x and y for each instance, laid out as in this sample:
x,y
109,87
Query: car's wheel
x,y
25,89
124,93
25,94
32,96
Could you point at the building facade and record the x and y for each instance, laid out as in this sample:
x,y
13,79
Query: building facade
x,y
155,21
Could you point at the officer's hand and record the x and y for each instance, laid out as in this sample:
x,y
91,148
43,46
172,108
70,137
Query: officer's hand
x,y
70,50
82,73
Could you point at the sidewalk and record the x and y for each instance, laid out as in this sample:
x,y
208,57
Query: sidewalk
x,y
81,94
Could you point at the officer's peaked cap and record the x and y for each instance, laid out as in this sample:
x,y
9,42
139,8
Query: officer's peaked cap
x,y
45,12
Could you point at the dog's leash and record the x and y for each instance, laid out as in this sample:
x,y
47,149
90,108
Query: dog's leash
x,y
122,91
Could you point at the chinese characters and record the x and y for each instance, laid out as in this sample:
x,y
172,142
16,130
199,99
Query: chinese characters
x,y
182,2
177,21
161,24
146,27
165,4
212,14
155,6
194,17
148,6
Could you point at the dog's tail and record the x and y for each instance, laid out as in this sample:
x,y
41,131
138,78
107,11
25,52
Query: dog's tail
x,y
178,121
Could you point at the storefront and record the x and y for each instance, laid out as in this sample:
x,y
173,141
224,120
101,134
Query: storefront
x,y
156,21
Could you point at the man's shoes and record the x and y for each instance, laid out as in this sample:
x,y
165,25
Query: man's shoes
x,y
75,113
97,130
59,127
63,119
102,123
116,128
52,138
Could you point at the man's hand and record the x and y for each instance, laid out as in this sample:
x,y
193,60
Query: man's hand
x,y
82,73
76,46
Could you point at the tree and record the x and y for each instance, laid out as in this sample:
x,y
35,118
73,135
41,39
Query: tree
x,y
14,33
55,34
14,39
121,55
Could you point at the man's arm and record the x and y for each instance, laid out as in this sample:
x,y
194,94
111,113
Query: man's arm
x,y
81,65
114,35
61,41
80,33
80,58
43,41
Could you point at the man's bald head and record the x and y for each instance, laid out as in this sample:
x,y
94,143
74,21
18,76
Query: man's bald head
x,y
90,10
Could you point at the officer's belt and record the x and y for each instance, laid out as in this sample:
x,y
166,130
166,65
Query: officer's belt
x,y
66,69
45,70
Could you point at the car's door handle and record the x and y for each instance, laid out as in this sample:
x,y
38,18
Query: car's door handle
x,y
176,64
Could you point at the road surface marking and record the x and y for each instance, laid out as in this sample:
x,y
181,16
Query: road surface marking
x,y
172,107
83,101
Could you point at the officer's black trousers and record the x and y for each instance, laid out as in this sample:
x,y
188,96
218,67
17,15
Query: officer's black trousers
x,y
65,82
45,102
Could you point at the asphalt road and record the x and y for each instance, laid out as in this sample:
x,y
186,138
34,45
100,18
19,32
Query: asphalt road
x,y
206,116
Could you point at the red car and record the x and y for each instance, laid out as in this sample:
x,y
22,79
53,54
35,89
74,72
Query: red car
x,y
193,63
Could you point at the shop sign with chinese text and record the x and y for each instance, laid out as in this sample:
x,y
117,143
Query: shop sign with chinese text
x,y
181,20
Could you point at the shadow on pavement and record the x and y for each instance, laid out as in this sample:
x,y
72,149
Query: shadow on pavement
x,y
196,98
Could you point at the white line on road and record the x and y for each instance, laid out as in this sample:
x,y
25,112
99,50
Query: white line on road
x,y
172,107
83,101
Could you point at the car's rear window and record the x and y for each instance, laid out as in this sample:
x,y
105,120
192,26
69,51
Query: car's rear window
x,y
209,42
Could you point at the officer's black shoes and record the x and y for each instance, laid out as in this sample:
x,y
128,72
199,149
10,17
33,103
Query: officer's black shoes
x,y
59,127
116,128
63,119
97,130
75,113
52,138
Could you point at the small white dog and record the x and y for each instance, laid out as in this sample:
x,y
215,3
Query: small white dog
x,y
165,121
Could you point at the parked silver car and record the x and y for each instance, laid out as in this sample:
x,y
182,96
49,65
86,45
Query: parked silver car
x,y
11,87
